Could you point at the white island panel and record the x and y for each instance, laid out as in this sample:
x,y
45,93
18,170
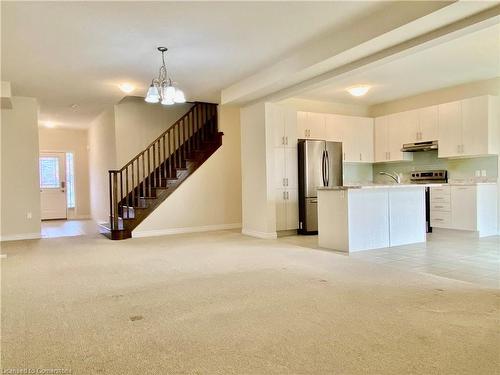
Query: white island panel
x,y
407,216
368,219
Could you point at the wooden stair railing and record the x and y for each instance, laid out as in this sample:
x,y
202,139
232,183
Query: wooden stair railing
x,y
140,186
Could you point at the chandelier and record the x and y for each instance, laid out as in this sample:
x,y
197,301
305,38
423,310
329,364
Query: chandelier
x,y
162,89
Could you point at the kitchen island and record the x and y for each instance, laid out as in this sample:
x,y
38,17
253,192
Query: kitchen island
x,y
356,218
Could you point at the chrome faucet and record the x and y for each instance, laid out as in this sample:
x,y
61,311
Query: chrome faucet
x,y
396,177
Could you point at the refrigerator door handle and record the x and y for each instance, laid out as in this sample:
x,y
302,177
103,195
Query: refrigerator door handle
x,y
327,168
323,171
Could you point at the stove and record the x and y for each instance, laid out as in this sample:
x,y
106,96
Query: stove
x,y
429,177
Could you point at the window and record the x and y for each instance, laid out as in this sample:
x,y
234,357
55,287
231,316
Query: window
x,y
49,172
70,180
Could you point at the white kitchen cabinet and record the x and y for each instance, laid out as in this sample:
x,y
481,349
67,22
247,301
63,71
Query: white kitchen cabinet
x,y
287,209
311,125
356,135
283,121
465,207
469,127
427,124
381,139
450,129
390,135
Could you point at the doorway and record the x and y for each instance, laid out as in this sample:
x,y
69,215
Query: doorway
x,y
53,195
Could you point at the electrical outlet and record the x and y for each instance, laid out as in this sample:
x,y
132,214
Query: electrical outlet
x,y
478,173
483,172
29,216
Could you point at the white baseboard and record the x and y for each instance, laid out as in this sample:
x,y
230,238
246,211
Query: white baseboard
x,y
21,236
259,234
170,231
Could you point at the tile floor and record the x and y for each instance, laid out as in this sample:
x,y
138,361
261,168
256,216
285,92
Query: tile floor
x,y
451,255
68,228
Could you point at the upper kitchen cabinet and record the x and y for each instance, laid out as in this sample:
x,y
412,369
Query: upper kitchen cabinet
x,y
391,132
311,125
427,124
469,127
356,135
283,121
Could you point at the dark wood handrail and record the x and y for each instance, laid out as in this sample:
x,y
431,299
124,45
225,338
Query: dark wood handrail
x,y
159,162
161,136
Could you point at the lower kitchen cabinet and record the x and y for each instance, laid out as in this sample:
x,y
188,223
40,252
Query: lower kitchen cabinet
x,y
465,207
287,209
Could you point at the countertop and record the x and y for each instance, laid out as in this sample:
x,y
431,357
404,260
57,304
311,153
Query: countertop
x,y
399,186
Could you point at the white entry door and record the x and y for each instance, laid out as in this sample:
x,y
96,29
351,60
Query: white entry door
x,y
53,185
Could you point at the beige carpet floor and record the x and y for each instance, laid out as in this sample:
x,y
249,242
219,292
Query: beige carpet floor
x,y
223,303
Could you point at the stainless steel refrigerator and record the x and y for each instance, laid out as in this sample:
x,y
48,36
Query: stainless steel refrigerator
x,y
320,164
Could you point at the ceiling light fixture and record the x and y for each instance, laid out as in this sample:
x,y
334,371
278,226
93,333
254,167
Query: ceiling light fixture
x,y
162,88
359,90
49,124
127,88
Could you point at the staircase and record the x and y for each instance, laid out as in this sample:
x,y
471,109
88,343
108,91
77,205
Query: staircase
x,y
148,179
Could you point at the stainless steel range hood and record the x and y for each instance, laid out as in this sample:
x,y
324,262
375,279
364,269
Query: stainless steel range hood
x,y
420,146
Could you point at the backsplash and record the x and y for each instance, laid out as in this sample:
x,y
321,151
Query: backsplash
x,y
458,169
357,173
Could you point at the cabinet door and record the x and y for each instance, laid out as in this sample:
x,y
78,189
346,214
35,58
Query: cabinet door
x,y
428,123
363,138
475,126
290,123
408,125
302,125
449,129
398,134
316,125
291,167
333,128
463,207
279,167
381,152
275,117
280,200
292,209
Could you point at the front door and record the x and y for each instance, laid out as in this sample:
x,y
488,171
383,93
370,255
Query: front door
x,y
53,185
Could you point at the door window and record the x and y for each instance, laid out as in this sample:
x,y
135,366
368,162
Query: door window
x,y
49,172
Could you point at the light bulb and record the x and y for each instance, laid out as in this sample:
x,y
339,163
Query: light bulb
x,y
153,96
359,90
179,97
169,93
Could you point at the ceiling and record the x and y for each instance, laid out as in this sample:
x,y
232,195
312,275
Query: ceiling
x,y
77,53
473,57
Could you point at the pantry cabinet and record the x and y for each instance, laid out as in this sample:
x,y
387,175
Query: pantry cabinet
x,y
469,127
283,126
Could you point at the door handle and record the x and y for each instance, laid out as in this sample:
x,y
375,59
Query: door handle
x,y
63,184
323,172
327,167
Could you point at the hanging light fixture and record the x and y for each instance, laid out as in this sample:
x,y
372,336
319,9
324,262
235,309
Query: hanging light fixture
x,y
162,89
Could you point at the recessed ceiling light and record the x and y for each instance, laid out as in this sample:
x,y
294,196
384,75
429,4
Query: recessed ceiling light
x,y
127,88
359,90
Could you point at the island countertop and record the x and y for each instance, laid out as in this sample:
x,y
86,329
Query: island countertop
x,y
398,186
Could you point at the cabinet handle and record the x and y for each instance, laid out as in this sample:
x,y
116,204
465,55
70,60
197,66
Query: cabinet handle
x,y
438,206
284,196
287,195
287,181
282,140
344,155
360,157
284,184
462,148
286,139
436,219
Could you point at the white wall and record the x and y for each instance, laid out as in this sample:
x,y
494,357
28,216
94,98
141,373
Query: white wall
x,y
308,105
75,141
102,157
138,123
258,206
211,197
20,183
